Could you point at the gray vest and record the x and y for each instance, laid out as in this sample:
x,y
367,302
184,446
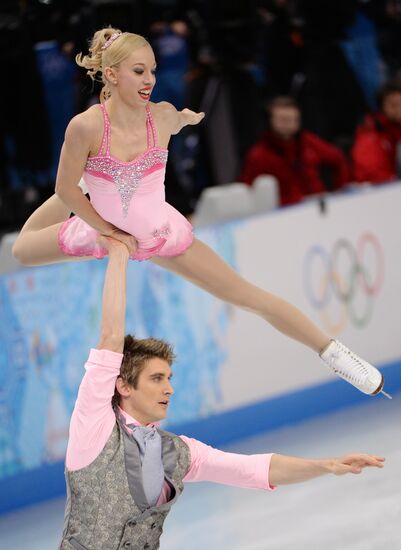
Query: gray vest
x,y
106,506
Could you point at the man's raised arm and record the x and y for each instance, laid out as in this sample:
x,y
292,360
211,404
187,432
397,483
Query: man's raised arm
x,y
93,417
112,330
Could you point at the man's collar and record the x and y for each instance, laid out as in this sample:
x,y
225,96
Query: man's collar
x,y
130,420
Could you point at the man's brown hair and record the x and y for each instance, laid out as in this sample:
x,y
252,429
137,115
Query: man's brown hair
x,y
136,352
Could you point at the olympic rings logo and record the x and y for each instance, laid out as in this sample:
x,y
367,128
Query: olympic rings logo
x,y
346,279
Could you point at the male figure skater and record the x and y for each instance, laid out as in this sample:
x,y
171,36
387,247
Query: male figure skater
x,y
124,473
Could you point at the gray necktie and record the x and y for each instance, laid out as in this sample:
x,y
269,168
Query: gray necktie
x,y
150,450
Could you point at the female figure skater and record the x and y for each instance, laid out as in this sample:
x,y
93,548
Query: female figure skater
x,y
120,148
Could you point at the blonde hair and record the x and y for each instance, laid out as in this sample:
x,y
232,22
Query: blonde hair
x,y
136,353
99,57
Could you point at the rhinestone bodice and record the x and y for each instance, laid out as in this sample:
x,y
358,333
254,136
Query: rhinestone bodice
x,y
126,176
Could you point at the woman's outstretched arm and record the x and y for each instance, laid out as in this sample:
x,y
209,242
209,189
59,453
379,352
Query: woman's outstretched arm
x,y
176,120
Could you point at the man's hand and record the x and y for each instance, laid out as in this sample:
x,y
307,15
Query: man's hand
x,y
111,243
106,240
290,469
354,463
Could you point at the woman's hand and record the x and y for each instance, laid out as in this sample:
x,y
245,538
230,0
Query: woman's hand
x,y
119,235
354,463
190,117
173,120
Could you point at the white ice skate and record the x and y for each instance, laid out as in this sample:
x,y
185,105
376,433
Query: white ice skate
x,y
353,369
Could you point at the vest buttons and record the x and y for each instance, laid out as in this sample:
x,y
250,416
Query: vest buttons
x,y
127,544
132,522
147,545
153,525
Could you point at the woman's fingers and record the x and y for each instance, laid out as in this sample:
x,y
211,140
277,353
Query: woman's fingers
x,y
192,117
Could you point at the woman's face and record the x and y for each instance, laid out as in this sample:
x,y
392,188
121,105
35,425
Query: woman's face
x,y
136,76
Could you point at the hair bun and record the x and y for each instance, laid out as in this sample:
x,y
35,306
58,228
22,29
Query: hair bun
x,y
93,61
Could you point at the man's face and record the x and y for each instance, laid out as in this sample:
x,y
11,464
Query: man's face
x,y
150,400
392,107
285,121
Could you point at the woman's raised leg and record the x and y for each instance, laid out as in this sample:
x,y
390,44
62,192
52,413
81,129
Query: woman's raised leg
x,y
37,242
203,267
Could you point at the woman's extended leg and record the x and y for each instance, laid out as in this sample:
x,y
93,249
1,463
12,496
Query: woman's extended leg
x,y
37,242
206,269
202,266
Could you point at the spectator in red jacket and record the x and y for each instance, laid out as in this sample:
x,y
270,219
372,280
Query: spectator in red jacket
x,y
374,154
297,158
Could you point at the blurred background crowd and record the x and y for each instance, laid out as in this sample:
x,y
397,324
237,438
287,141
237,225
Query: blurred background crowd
x,y
303,90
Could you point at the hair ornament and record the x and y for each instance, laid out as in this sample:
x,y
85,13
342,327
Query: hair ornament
x,y
110,41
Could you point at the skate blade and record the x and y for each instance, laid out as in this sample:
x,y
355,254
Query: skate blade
x,y
380,390
386,394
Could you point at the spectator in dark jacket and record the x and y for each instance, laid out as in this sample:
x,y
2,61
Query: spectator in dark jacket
x,y
297,158
376,146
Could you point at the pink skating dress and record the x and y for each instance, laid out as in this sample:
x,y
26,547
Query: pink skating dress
x,y
131,196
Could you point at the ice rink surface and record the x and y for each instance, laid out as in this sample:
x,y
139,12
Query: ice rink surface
x,y
353,512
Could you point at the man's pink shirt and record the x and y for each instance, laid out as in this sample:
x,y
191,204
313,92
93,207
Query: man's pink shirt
x,y
93,420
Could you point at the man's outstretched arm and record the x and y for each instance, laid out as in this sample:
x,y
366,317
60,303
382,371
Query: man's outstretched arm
x,y
93,418
290,469
266,471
